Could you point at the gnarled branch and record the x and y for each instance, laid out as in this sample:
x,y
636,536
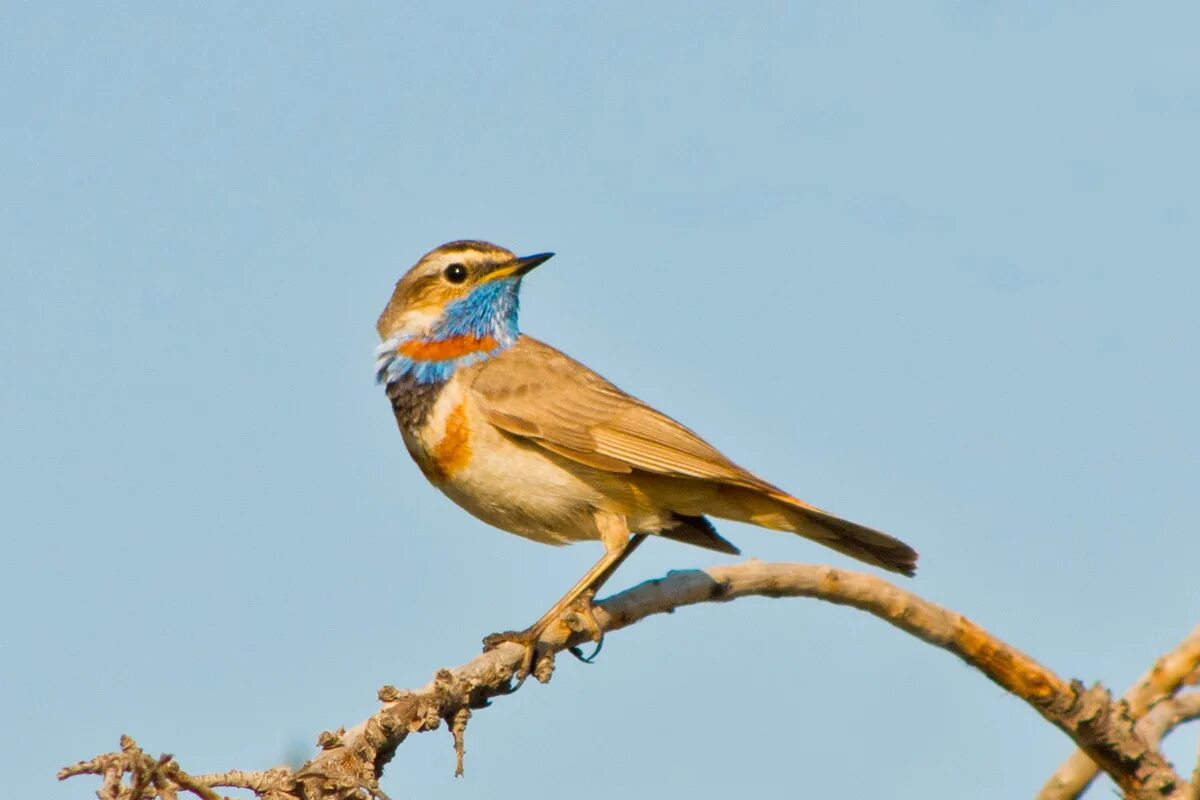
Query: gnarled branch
x,y
351,761
1172,670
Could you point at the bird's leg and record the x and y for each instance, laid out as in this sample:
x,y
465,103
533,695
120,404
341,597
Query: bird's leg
x,y
600,572
617,549
584,602
632,544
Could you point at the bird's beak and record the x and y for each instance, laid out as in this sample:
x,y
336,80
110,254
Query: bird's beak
x,y
518,266
526,263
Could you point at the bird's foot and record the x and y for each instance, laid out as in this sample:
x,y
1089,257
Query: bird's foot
x,y
539,660
534,662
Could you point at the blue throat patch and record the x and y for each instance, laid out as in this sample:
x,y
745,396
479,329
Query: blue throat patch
x,y
489,312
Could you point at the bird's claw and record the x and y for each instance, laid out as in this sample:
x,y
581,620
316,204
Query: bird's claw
x,y
538,661
577,651
582,619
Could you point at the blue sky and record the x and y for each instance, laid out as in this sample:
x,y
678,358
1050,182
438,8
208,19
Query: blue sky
x,y
932,267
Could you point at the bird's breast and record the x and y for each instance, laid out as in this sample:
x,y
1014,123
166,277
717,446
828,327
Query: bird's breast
x,y
439,438
516,487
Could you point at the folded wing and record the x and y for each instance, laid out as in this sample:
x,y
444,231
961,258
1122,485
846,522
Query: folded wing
x,y
535,392
538,394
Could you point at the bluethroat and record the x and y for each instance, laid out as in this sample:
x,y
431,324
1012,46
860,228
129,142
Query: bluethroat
x,y
535,443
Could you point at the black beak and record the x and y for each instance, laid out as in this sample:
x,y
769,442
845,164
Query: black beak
x,y
526,263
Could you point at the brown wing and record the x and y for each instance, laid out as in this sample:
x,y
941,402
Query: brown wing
x,y
535,392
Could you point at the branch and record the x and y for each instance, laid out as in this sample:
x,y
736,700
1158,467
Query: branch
x,y
168,779
352,761
1167,715
1172,670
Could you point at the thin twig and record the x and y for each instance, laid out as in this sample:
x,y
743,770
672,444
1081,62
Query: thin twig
x,y
1168,715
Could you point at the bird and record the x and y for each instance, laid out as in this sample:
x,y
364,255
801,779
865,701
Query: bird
x,y
533,442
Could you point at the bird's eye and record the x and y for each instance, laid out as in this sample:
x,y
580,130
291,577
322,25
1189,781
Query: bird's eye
x,y
456,273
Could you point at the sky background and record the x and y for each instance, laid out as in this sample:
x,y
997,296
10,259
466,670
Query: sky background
x,y
932,267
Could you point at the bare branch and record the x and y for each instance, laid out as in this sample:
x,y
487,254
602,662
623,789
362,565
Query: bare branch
x,y
167,779
352,761
1175,668
1167,715
257,782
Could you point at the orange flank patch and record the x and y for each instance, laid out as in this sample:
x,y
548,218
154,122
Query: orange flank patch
x,y
446,349
453,452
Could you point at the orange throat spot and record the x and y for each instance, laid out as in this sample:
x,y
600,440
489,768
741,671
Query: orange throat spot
x,y
446,349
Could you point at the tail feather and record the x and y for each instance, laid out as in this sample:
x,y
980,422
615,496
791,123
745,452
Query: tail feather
x,y
779,511
700,532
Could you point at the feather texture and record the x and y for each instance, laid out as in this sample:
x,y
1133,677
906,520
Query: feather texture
x,y
536,393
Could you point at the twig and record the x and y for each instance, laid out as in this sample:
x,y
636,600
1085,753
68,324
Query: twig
x,y
458,729
167,778
1165,717
1168,715
1170,671
258,782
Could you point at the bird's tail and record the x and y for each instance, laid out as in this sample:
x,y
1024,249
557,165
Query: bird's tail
x,y
775,509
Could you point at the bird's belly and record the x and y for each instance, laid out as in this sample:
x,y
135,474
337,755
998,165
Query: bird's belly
x,y
520,489
514,486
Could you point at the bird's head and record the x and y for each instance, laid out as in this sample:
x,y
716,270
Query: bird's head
x,y
456,306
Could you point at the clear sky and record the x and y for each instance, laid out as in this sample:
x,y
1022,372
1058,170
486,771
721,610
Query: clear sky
x,y
931,266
